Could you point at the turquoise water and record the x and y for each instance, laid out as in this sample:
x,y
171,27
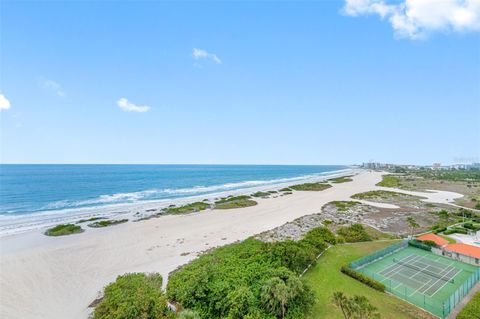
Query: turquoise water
x,y
27,189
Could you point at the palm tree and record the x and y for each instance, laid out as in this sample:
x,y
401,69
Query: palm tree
x,y
341,301
277,293
413,224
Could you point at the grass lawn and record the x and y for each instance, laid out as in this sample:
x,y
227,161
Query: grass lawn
x,y
325,278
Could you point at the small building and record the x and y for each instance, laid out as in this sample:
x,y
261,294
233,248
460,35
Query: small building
x,y
466,253
441,242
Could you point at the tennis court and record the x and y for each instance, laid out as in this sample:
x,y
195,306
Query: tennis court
x,y
420,277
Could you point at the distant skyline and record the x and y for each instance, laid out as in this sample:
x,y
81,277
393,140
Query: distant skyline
x,y
327,82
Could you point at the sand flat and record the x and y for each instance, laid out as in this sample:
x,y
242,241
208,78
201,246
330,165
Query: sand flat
x,y
43,277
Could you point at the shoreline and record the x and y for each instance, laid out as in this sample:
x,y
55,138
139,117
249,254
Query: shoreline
x,y
49,277
24,223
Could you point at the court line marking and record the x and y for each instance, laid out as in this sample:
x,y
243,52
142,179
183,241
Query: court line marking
x,y
458,272
395,267
441,285
430,280
446,273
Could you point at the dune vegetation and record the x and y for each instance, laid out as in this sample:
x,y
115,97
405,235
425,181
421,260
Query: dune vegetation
x,y
185,209
339,180
250,279
390,181
311,187
235,202
64,229
106,223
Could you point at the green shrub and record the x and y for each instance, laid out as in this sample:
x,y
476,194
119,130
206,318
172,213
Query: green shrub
x,y
286,189
261,194
64,229
185,209
354,233
472,309
227,282
134,296
311,187
389,181
319,236
430,243
235,202
188,314
456,230
363,279
344,205
106,223
339,180
376,194
419,244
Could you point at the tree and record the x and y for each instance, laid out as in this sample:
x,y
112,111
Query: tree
x,y
134,296
356,307
413,224
277,293
443,215
341,301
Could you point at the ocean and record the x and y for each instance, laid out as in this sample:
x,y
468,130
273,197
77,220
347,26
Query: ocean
x,y
30,194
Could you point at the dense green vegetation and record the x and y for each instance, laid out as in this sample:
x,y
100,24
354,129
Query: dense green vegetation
x,y
420,244
235,202
261,194
185,209
377,194
134,296
325,278
362,278
389,181
354,233
356,307
250,279
63,229
344,205
286,189
339,180
106,223
449,175
89,220
472,309
311,187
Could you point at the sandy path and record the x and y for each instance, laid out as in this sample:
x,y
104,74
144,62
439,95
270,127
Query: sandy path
x,y
42,277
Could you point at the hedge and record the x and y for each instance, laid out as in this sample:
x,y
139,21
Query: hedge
x,y
363,279
419,244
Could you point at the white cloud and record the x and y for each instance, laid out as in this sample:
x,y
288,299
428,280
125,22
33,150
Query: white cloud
x,y
202,54
4,103
127,106
55,87
417,18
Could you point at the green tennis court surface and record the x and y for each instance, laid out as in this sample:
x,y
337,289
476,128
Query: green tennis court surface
x,y
421,277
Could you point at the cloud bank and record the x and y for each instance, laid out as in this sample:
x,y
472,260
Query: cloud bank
x,y
202,54
4,103
127,106
416,19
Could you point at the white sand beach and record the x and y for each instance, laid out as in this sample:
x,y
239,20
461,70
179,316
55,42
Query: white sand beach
x,y
57,278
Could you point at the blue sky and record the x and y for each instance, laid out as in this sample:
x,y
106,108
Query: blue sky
x,y
321,82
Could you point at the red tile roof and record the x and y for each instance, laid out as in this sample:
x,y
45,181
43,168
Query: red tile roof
x,y
464,249
437,239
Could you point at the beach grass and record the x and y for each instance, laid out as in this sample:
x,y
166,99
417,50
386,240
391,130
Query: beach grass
x,y
339,180
389,181
311,187
64,229
235,202
325,278
189,208
378,194
106,223
261,194
90,220
344,205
